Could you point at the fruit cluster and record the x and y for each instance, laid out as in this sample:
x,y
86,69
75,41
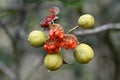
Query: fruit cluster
x,y
56,39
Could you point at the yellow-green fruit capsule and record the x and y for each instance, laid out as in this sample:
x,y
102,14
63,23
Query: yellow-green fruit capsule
x,y
53,61
37,38
83,53
86,21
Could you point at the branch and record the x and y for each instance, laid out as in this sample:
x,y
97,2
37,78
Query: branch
x,y
3,67
98,29
33,71
114,55
4,27
7,71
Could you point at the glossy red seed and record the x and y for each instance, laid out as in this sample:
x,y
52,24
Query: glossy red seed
x,y
44,24
61,44
57,49
61,35
57,44
49,52
57,32
48,19
67,45
51,32
73,45
52,47
70,42
45,47
52,16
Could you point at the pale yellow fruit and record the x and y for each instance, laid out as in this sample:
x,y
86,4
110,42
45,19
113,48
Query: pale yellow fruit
x,y
83,53
53,61
37,38
86,21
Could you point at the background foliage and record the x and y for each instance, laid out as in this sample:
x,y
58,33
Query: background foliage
x,y
20,61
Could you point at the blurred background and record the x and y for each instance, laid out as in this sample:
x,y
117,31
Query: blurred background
x,y
20,61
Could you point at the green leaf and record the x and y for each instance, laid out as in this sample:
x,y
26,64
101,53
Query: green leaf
x,y
6,13
6,58
73,3
31,1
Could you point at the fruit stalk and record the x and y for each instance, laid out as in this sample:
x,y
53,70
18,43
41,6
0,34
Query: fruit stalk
x,y
74,28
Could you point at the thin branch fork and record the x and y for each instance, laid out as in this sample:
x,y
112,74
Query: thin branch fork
x,y
99,29
6,30
3,67
7,71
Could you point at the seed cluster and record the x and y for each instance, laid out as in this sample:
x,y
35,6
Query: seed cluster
x,y
70,41
55,39
58,39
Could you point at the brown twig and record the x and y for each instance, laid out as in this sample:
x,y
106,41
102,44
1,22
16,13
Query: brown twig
x,y
34,70
15,40
2,66
7,71
99,29
4,27
18,51
114,54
